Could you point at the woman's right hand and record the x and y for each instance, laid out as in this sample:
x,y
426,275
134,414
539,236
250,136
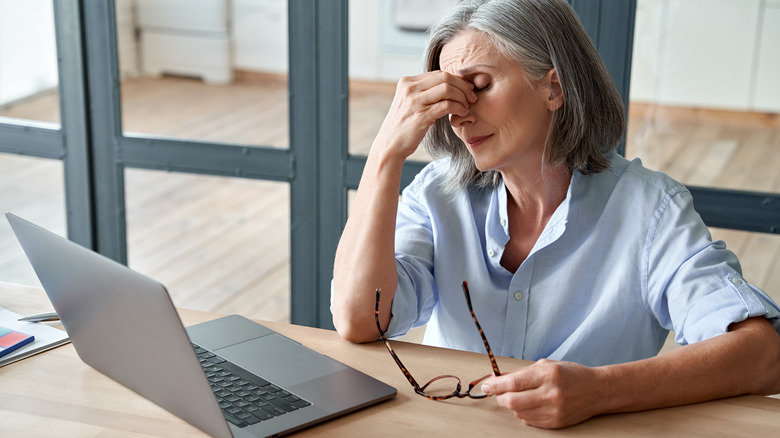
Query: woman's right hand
x,y
365,258
418,102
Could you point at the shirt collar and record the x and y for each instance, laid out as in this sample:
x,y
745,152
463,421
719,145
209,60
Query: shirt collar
x,y
557,223
498,218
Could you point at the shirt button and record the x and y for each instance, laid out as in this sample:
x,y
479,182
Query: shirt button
x,y
736,280
491,253
518,296
503,222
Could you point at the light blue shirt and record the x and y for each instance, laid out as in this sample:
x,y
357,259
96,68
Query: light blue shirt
x,y
623,260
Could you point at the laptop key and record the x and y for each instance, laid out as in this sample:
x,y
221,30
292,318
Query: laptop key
x,y
273,410
300,404
250,420
281,403
272,388
233,419
263,415
267,396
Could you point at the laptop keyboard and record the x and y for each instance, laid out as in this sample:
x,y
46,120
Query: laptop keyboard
x,y
245,398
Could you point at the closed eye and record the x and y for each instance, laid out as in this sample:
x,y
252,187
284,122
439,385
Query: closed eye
x,y
481,89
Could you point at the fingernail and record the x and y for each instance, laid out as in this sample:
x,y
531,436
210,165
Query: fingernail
x,y
486,389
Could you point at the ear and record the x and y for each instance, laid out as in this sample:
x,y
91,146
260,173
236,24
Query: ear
x,y
555,98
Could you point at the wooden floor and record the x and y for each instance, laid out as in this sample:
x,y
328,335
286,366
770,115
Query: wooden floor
x,y
222,244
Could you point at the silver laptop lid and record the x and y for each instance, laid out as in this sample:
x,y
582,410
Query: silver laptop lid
x,y
122,324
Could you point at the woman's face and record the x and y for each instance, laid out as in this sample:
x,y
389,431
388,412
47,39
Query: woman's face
x,y
506,128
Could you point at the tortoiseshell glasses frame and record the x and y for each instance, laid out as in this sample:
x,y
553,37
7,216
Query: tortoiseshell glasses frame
x,y
457,391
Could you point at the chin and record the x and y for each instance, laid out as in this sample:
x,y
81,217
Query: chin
x,y
482,166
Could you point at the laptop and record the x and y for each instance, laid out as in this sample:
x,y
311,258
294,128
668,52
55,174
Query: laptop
x,y
227,377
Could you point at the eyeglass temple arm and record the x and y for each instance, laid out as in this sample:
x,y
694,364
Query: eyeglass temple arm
x,y
493,362
390,349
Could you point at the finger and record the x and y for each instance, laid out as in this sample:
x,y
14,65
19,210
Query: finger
x,y
520,380
445,85
542,415
539,417
462,85
439,76
521,403
436,103
447,107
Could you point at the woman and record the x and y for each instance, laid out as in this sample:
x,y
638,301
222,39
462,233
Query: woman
x,y
575,257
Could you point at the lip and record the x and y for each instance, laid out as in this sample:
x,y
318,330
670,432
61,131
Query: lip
x,y
477,141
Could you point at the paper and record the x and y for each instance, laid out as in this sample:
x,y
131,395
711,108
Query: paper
x,y
46,337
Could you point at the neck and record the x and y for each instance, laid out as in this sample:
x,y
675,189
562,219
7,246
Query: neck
x,y
540,194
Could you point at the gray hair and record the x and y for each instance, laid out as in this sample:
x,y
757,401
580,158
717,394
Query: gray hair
x,y
539,35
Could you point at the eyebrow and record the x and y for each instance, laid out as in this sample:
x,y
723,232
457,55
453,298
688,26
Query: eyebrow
x,y
470,69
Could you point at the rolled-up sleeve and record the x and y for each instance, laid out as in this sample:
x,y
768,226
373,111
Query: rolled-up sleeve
x,y
736,301
415,296
695,286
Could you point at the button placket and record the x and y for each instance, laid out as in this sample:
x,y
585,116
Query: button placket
x,y
517,310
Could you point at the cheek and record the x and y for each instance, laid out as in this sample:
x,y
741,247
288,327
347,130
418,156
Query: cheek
x,y
498,110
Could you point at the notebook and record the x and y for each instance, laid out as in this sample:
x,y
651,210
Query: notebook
x,y
11,340
124,325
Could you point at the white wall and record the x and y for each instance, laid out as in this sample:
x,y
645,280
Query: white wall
x,y
28,54
708,53
766,95
259,35
378,49
127,46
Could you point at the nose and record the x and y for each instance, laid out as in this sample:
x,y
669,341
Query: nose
x,y
456,121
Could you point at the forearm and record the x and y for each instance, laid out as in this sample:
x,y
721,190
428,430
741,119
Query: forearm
x,y
746,360
365,258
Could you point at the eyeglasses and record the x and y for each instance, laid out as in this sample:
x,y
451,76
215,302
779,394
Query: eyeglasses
x,y
446,386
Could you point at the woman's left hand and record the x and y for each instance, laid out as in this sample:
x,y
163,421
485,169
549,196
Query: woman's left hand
x,y
550,394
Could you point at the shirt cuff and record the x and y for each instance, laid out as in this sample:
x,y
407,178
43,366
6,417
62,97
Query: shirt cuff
x,y
737,301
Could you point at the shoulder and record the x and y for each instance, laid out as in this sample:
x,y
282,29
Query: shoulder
x,y
645,185
632,196
429,179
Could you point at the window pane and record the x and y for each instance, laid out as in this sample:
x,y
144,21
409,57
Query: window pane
x,y
28,71
218,244
210,70
32,189
703,107
386,42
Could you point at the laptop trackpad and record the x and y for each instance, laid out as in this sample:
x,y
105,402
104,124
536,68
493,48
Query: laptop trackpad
x,y
280,360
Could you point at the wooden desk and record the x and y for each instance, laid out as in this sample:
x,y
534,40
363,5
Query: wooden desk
x,y
55,394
